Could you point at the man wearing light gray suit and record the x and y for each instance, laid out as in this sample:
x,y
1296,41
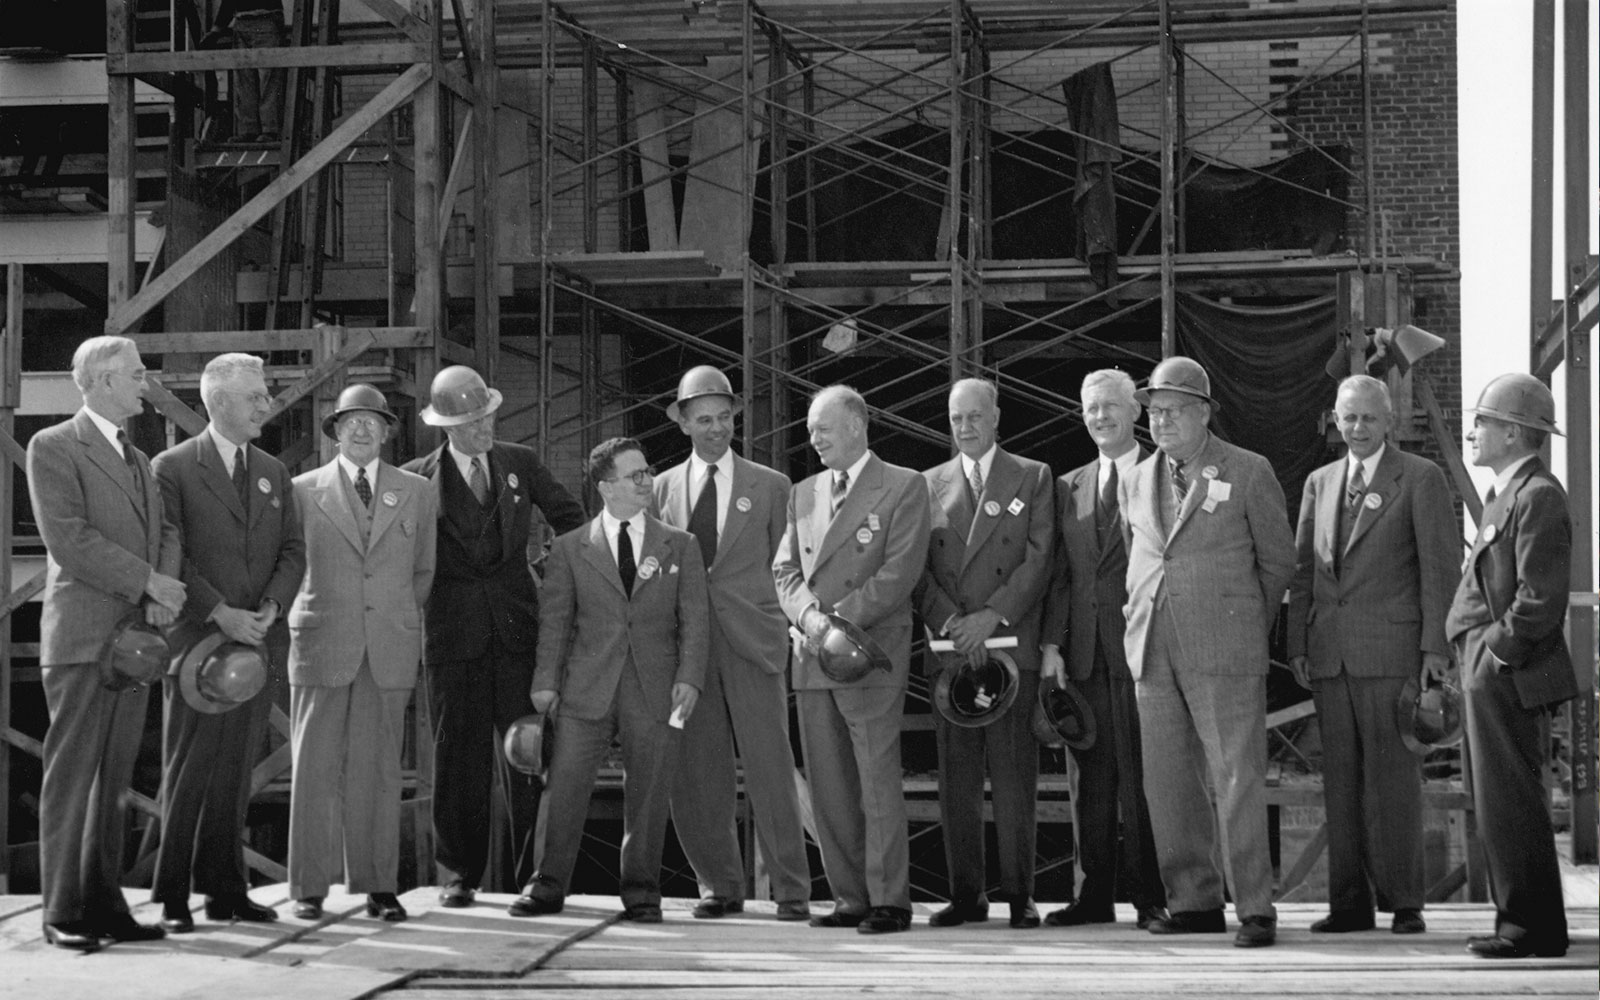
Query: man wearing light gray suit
x,y
623,624
735,510
1376,565
988,563
1209,556
109,554
855,544
355,645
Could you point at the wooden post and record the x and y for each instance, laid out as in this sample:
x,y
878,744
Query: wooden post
x,y
120,181
1169,122
10,396
486,246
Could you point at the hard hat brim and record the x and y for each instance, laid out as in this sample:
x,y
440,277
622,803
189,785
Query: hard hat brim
x,y
189,675
433,418
673,410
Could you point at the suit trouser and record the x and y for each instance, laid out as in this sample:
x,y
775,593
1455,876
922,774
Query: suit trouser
x,y
473,702
1372,787
345,802
851,740
205,792
1011,752
1194,727
1110,798
649,755
739,700
89,753
1506,750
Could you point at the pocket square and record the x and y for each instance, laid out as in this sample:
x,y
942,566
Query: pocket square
x,y
673,569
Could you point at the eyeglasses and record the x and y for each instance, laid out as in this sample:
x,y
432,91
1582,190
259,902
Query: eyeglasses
x,y
639,476
1168,412
368,423
137,374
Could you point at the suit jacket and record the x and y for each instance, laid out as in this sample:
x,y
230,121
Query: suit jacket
x,y
362,601
1385,604
862,564
230,557
1516,583
741,589
1088,585
473,601
590,628
1220,573
102,532
1003,561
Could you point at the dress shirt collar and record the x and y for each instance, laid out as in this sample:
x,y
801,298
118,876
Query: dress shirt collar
x,y
697,472
984,462
854,472
464,463
1502,482
1125,463
109,429
611,524
225,448
350,469
1369,465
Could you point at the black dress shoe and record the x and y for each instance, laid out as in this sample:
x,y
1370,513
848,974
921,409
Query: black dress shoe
x,y
457,895
76,935
385,906
1256,932
1024,915
1191,922
309,908
122,927
1408,922
176,918
1344,922
955,914
713,907
794,909
838,918
1080,913
1149,915
534,906
642,913
238,906
1496,946
885,920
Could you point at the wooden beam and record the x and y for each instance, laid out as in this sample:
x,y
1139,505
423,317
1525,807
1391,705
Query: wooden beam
x,y
12,450
171,407
1446,440
214,341
399,15
290,179
22,741
22,595
359,341
460,162
375,54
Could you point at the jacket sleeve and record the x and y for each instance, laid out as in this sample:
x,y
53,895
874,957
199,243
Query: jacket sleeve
x,y
1305,564
905,555
1269,531
933,602
426,544
1058,588
694,615
557,606
77,546
1543,553
556,504
1023,586
201,597
793,594
1439,551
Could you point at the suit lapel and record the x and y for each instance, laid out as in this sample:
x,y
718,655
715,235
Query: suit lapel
x,y
1005,475
263,498
734,526
597,551
214,473
863,496
508,499
330,498
1385,485
951,488
384,513
1198,486
102,454
1329,493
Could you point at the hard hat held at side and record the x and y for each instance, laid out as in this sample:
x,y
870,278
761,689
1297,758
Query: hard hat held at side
x,y
974,696
702,380
1062,716
134,654
217,675
1519,399
529,744
847,653
1428,718
459,396
358,396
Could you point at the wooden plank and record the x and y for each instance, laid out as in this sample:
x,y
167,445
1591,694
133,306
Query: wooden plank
x,y
210,341
171,407
714,210
22,595
22,741
130,312
399,15
655,169
1446,442
375,54
358,342
12,450
460,167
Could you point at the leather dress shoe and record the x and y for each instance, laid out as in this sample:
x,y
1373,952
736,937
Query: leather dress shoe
x,y
76,935
955,914
176,918
1408,922
794,909
238,906
122,927
385,906
1079,913
1256,932
1496,946
1344,922
838,918
1191,922
1149,915
1024,915
534,906
457,895
309,908
885,920
642,913
713,907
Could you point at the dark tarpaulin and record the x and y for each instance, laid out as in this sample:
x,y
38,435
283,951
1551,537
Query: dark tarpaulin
x,y
1091,98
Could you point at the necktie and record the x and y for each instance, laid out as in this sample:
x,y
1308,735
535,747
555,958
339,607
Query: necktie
x,y
241,478
1488,498
975,483
1180,483
363,488
478,482
841,486
703,519
1105,508
625,567
1356,489
133,463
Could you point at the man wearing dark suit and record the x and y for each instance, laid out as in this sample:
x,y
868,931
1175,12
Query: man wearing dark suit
x,y
988,562
355,644
734,508
482,625
233,506
1209,556
109,553
855,544
622,655
1083,612
1376,562
1506,623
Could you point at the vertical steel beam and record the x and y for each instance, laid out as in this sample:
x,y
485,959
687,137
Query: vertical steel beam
x,y
485,208
426,183
953,211
591,147
1540,274
622,93
547,312
10,398
121,180
1368,147
747,190
1169,124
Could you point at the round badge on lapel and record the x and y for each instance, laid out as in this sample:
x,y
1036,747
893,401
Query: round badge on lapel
x,y
1373,501
511,480
1209,472
743,503
991,508
389,499
864,536
648,568
1489,532
264,485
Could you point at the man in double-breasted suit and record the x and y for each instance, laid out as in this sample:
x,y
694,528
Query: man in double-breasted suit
x,y
988,563
622,655
855,544
1209,556
356,642
1506,623
735,509
109,555
1083,615
233,506
482,625
1376,562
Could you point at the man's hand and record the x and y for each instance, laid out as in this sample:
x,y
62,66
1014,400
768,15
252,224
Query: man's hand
x,y
544,702
268,613
159,615
165,590
1435,668
1301,667
969,632
1051,665
239,625
684,697
814,624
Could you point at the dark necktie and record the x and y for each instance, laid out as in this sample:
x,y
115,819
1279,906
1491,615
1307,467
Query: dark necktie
x,y
703,519
133,463
241,479
1356,489
975,484
625,567
363,488
1180,483
479,483
1105,507
1488,498
841,486
1353,491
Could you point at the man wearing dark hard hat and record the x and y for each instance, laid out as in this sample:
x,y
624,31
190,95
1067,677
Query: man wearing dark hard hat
x,y
355,645
734,508
482,627
234,506
1209,556
1506,623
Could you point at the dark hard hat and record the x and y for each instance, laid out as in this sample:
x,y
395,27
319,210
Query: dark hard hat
x,y
459,396
973,696
1063,716
358,396
848,653
1429,718
702,380
529,744
216,675
134,654
1519,399
1177,374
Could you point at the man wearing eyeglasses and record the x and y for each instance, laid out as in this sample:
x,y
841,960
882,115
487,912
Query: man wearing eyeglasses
x,y
622,655
1209,556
